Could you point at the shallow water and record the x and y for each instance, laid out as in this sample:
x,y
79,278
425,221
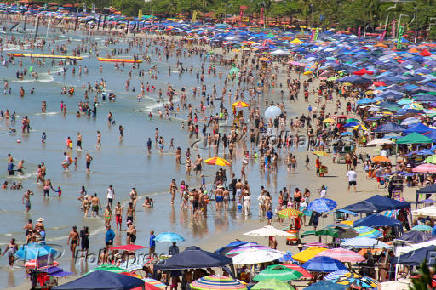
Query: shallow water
x,y
123,164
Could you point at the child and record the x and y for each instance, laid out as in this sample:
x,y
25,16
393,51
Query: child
x,y
43,137
269,215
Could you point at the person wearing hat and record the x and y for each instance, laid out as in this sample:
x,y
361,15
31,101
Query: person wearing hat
x,y
39,224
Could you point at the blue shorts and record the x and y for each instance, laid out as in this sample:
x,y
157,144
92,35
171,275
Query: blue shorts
x,y
219,198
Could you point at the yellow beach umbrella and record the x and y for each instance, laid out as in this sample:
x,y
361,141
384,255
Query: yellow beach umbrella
x,y
308,254
217,161
296,41
240,104
289,213
347,222
329,120
320,153
308,72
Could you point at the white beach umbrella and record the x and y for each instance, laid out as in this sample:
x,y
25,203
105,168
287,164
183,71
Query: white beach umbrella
x,y
255,256
380,142
426,211
364,242
272,112
267,231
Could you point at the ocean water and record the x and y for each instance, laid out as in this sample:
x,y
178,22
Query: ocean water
x,y
123,164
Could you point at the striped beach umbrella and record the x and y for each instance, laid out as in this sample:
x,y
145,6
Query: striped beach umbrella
x,y
369,232
217,282
343,255
335,275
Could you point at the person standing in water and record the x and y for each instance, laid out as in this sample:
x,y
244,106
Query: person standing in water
x,y
74,238
88,159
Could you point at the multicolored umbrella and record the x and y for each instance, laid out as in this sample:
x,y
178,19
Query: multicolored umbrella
x,y
335,275
356,281
304,272
289,213
322,205
278,272
365,231
308,254
272,284
323,264
217,282
217,161
343,255
246,247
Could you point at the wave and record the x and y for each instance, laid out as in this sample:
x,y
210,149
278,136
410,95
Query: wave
x,y
46,114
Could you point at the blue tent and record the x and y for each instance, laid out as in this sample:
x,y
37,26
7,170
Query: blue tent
x,y
193,258
429,189
417,128
323,264
389,127
361,207
415,257
383,203
376,220
103,280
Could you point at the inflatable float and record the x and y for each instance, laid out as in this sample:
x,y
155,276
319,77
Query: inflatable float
x,y
38,55
119,60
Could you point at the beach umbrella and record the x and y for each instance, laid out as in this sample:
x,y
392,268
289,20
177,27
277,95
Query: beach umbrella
x,y
304,273
363,242
322,205
352,120
129,248
169,237
267,231
422,228
278,272
325,285
377,220
365,231
254,256
217,282
323,264
217,161
431,159
272,284
329,120
356,281
380,142
240,104
308,254
246,247
272,112
335,275
102,280
289,213
315,244
108,267
34,250
415,237
343,255
380,159
56,272
320,153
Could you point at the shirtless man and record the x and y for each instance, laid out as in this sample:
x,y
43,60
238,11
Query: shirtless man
x,y
74,238
198,164
118,215
26,200
95,202
88,159
173,188
98,145
130,212
133,196
79,141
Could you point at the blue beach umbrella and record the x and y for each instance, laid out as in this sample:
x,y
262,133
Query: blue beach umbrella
x,y
322,205
422,228
34,250
168,237
323,264
325,285
365,231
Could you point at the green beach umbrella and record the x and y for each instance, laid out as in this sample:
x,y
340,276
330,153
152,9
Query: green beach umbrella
x,y
272,284
431,159
278,272
350,120
308,233
108,267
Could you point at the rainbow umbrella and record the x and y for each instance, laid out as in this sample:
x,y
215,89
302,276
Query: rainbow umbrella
x,y
217,161
217,282
365,231
355,281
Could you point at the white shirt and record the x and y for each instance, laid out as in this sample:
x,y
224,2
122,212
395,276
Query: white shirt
x,y
110,193
352,175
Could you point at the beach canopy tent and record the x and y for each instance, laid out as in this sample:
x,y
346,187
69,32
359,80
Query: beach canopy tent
x,y
389,127
377,220
417,128
414,236
376,204
414,138
103,280
193,258
416,257
429,189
